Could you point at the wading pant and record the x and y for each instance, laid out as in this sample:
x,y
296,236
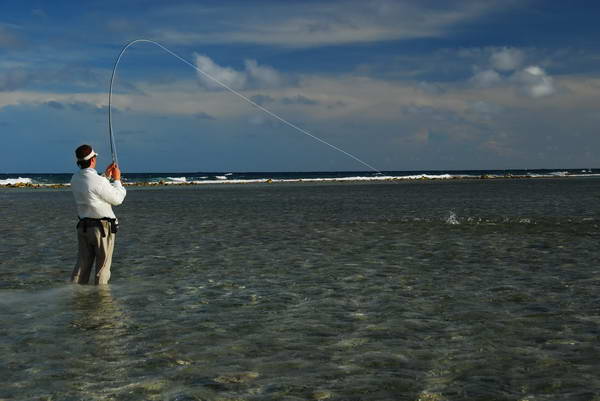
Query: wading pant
x,y
94,247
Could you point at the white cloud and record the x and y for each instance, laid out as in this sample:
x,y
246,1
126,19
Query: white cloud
x,y
486,78
535,70
505,71
506,59
535,82
263,76
253,76
228,76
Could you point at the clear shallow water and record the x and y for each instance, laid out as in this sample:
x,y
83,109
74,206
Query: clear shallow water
x,y
457,290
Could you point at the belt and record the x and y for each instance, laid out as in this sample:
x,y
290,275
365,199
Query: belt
x,y
89,222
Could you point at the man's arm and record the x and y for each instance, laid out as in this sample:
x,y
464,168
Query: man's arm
x,y
113,193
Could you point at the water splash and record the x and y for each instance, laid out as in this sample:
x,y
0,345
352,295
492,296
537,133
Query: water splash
x,y
452,219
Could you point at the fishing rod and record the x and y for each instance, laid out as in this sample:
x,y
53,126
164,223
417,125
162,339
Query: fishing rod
x,y
113,148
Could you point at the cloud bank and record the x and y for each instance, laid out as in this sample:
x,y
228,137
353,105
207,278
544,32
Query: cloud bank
x,y
324,24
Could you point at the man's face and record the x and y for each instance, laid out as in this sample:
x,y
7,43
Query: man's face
x,y
93,162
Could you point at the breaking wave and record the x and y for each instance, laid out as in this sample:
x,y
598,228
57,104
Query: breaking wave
x,y
16,181
281,177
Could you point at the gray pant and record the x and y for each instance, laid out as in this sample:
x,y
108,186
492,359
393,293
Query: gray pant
x,y
93,246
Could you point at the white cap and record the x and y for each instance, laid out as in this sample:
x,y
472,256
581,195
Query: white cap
x,y
88,157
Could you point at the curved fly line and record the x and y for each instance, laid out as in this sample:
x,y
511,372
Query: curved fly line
x,y
113,148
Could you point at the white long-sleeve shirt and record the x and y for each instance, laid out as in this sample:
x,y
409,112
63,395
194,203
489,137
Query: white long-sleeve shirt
x,y
94,194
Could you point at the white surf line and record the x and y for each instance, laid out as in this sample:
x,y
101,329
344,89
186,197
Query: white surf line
x,y
223,85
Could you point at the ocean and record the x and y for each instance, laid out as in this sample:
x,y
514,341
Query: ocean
x,y
407,289
261,177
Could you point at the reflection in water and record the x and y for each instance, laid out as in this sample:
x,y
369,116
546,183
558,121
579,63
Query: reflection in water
x,y
99,328
96,309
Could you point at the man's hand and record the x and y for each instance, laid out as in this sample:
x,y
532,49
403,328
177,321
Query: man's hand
x,y
109,170
113,171
116,173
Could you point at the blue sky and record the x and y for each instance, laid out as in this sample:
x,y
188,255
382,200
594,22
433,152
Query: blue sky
x,y
403,85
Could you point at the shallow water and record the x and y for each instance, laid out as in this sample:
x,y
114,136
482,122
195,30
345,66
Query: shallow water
x,y
457,290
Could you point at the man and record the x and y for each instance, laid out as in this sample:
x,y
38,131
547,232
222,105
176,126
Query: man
x,y
97,225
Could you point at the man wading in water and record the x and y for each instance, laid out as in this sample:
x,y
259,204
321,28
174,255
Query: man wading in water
x,y
97,225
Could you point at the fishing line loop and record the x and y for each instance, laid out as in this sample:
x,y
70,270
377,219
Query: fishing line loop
x,y
113,147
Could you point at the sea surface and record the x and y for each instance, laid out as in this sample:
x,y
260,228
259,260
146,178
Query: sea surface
x,y
423,290
307,176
